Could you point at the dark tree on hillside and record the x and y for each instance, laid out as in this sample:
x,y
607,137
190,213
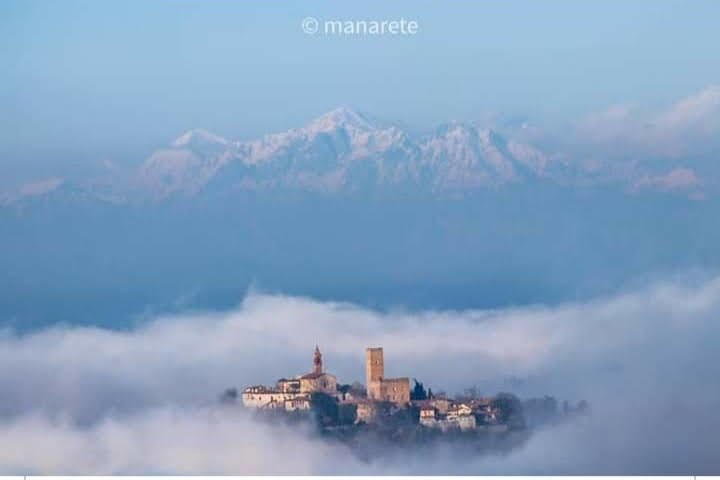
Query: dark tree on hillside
x,y
510,410
347,414
325,408
229,396
418,391
430,394
472,392
540,410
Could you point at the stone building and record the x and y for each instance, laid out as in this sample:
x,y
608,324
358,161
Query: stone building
x,y
301,402
374,367
395,390
292,393
259,396
318,380
289,385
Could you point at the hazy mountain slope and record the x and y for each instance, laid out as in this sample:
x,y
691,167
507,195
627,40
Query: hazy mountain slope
x,y
345,150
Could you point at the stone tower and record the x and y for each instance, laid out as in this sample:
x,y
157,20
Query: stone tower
x,y
317,361
374,370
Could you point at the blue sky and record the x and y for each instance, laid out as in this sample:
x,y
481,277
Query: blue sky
x,y
83,80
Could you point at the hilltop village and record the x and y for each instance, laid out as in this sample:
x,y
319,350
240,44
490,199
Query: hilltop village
x,y
384,401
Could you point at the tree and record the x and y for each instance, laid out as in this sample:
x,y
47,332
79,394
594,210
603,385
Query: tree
x,y
418,391
229,396
472,392
347,414
510,410
325,408
540,410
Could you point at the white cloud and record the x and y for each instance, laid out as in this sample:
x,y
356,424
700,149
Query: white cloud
x,y
699,112
166,440
688,127
676,180
89,400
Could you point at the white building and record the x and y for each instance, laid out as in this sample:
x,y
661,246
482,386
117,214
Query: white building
x,y
428,416
462,417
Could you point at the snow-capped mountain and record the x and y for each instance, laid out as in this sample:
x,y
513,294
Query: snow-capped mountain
x,y
187,165
346,151
343,149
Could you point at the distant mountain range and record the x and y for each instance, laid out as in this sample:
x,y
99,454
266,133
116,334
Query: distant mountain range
x,y
352,208
344,150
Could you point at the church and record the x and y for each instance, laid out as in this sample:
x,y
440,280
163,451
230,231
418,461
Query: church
x,y
292,393
315,381
295,393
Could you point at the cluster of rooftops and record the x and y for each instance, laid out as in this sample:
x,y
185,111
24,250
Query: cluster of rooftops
x,y
368,401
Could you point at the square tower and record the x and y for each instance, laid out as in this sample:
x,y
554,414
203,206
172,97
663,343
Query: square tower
x,y
374,369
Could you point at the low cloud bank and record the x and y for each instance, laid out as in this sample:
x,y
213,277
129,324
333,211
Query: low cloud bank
x,y
687,127
86,400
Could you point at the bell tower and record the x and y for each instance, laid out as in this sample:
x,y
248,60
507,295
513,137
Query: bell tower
x,y
374,371
317,361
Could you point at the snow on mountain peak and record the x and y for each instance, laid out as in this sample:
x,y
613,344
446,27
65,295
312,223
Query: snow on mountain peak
x,y
341,117
344,145
197,138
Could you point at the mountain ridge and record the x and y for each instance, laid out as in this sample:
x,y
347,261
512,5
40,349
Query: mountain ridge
x,y
333,151
347,150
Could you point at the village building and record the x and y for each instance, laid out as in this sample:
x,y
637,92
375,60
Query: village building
x,y
466,422
379,388
318,380
260,396
441,404
428,416
447,415
460,410
380,398
289,385
461,416
301,402
294,393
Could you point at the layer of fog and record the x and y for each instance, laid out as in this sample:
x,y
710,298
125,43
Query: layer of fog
x,y
88,400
